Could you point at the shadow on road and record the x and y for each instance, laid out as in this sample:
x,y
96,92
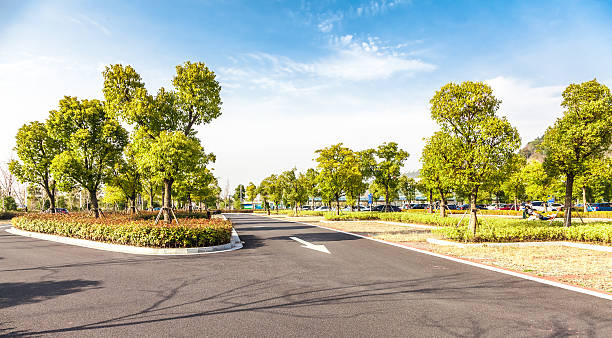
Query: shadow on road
x,y
320,237
12,294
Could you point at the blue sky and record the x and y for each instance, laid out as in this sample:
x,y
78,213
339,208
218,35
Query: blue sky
x,y
300,75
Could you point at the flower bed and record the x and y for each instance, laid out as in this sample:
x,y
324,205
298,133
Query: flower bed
x,y
124,230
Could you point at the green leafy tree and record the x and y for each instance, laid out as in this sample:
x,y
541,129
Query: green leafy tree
x,y
312,188
264,191
251,192
9,203
93,142
436,173
294,188
36,150
194,101
390,160
198,183
239,194
515,186
337,166
407,186
584,133
480,143
127,178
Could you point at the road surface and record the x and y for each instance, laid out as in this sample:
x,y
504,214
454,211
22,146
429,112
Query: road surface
x,y
282,283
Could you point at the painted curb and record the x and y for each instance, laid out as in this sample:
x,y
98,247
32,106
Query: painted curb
x,y
234,244
519,244
560,285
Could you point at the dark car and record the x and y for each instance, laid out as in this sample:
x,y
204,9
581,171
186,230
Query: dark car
x,y
452,207
61,211
386,208
418,206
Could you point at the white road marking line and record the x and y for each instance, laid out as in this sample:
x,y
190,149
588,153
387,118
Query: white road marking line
x,y
308,245
482,266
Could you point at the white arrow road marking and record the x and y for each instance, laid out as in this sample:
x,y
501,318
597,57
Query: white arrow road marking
x,y
321,248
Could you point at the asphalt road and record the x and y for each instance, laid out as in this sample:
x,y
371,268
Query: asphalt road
x,y
275,286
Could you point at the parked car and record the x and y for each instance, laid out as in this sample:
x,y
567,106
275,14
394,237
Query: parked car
x,y
602,206
418,206
62,211
306,207
386,208
537,205
322,208
510,207
452,207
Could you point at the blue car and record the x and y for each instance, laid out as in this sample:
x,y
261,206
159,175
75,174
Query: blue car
x,y
601,206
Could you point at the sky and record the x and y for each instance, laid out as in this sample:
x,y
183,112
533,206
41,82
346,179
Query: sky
x,y
298,76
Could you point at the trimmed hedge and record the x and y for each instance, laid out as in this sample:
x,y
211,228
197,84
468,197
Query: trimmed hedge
x,y
10,214
493,229
123,230
523,231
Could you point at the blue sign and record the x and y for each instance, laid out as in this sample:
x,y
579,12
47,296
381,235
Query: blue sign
x,y
370,196
551,200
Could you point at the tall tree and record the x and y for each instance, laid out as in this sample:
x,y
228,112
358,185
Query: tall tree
x,y
312,188
338,166
126,177
93,142
36,150
481,142
436,173
390,159
194,101
294,188
584,133
407,186
251,192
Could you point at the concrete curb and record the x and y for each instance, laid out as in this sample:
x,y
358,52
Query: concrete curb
x,y
234,244
519,244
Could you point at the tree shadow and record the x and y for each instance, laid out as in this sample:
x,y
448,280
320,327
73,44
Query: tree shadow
x,y
264,228
13,294
251,242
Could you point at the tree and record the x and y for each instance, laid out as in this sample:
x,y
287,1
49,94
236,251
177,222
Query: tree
x,y
514,186
93,142
407,186
239,194
251,192
436,173
312,189
36,150
338,166
9,203
195,101
126,177
198,183
171,157
294,188
480,143
264,191
583,134
390,160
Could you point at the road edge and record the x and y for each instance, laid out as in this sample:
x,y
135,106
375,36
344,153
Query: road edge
x,y
569,287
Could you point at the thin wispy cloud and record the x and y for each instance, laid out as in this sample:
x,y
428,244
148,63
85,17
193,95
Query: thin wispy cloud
x,y
86,20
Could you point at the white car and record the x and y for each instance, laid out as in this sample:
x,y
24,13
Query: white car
x,y
322,208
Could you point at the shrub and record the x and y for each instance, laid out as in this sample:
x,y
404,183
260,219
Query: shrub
x,y
9,214
120,229
520,231
9,203
292,212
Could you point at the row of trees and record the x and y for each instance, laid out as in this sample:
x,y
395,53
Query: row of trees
x,y
83,143
475,150
341,172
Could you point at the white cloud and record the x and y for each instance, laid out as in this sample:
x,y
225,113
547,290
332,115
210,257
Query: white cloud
x,y
530,108
85,20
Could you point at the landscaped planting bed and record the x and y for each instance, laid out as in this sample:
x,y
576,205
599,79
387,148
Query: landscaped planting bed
x,y
494,230
121,229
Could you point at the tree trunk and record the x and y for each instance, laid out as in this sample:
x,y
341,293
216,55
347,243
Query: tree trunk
x,y
386,197
94,203
132,205
442,204
151,198
51,196
338,204
569,187
167,199
584,203
190,208
431,210
473,218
